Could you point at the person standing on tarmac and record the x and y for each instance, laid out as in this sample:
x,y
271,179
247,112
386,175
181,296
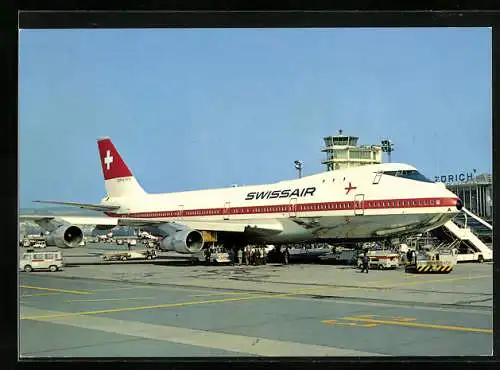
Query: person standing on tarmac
x,y
231,256
207,255
286,256
240,256
366,261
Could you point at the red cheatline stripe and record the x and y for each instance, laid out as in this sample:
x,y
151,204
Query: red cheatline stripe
x,y
304,207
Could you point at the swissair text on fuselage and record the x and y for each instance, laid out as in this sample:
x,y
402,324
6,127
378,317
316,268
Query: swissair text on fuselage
x,y
287,193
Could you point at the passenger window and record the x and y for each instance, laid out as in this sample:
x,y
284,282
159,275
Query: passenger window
x,y
26,257
48,256
38,256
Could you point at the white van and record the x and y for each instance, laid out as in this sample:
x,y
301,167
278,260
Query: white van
x,y
31,260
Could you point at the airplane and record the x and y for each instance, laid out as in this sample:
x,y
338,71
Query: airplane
x,y
370,202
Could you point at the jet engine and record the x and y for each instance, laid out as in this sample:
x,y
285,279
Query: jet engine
x,y
185,241
65,236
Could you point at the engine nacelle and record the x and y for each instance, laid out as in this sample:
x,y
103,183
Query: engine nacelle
x,y
65,236
185,241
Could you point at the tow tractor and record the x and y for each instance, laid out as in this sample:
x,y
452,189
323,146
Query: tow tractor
x,y
432,262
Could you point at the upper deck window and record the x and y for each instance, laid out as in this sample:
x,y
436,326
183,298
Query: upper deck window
x,y
408,174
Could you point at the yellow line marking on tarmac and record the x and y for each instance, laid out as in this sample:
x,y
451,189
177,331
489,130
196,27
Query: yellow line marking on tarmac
x,y
249,296
224,293
166,305
335,322
170,305
38,294
401,318
329,321
107,299
420,325
246,296
112,289
55,289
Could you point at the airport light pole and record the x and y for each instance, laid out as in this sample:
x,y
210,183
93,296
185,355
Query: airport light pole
x,y
298,167
387,147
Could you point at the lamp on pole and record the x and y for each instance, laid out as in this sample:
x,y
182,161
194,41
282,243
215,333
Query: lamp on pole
x,y
387,147
298,167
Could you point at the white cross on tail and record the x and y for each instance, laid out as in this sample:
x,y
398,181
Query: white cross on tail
x,y
108,159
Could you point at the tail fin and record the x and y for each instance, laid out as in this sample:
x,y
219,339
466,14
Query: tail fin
x,y
118,179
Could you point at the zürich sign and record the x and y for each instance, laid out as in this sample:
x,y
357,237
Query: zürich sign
x,y
457,177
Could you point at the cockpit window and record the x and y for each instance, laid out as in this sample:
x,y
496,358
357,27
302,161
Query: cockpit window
x,y
408,174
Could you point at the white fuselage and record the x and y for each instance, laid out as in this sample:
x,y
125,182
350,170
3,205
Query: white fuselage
x,y
354,203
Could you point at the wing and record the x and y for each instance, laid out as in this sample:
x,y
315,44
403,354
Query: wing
x,y
261,228
266,228
74,220
93,207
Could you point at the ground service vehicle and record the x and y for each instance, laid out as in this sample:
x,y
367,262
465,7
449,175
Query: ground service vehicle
x,y
47,260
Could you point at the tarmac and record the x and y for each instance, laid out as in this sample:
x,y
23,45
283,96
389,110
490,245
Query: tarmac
x,y
155,309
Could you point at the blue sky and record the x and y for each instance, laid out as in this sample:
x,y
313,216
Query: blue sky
x,y
201,108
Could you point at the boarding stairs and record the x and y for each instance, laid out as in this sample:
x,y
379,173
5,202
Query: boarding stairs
x,y
482,230
463,240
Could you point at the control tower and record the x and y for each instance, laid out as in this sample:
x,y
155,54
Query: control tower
x,y
343,151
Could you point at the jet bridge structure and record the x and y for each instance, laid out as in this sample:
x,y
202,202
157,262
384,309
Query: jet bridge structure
x,y
469,248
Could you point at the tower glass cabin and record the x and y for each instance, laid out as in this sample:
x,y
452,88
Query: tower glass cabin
x,y
343,151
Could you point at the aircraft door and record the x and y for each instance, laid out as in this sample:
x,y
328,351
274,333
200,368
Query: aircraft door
x,y
180,212
227,211
293,207
359,205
